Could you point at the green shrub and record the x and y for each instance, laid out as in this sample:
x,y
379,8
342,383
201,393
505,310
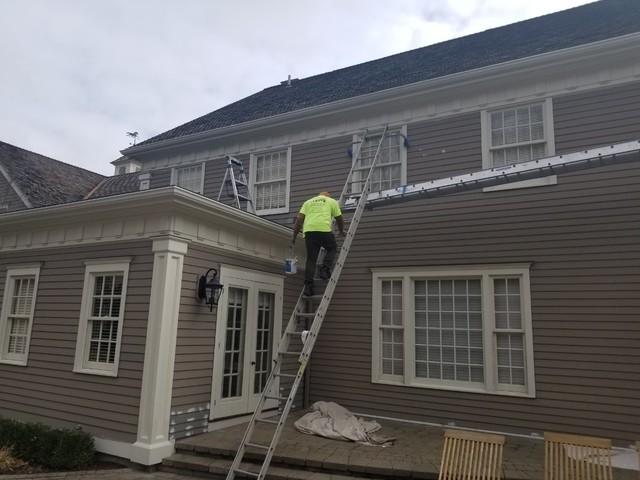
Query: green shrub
x,y
55,448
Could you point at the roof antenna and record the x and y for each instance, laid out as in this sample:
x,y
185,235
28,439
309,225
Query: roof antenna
x,y
133,135
289,81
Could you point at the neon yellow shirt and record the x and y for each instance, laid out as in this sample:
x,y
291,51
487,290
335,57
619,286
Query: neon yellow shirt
x,y
318,213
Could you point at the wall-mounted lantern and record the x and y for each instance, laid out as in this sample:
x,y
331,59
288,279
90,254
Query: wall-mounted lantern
x,y
209,288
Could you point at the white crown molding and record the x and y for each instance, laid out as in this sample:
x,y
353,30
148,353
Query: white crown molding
x,y
472,89
145,215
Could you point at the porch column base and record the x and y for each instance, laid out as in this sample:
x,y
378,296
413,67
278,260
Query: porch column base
x,y
150,453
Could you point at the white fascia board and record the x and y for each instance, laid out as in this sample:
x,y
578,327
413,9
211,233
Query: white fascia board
x,y
456,80
153,200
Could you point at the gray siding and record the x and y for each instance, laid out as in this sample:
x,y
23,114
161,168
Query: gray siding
x,y
47,389
160,178
196,326
581,237
9,197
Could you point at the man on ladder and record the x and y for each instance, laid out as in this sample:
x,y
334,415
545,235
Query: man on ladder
x,y
316,219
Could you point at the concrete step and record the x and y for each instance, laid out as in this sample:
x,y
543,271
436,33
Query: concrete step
x,y
217,468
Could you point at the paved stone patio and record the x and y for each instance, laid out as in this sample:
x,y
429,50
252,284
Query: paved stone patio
x,y
416,452
115,474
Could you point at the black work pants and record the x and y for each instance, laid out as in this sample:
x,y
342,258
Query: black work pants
x,y
314,241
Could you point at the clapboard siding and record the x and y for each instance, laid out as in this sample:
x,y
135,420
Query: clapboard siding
x,y
9,199
196,325
47,389
160,178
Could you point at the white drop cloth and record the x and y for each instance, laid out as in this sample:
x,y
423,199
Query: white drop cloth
x,y
330,420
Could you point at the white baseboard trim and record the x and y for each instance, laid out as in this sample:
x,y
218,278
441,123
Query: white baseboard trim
x,y
138,452
112,447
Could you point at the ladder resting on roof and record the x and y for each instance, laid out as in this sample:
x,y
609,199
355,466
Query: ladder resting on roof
x,y
234,182
356,195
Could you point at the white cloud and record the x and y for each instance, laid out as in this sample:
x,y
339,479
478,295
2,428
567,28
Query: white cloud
x,y
77,74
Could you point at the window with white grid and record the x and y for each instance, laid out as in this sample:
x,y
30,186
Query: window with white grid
x,y
17,313
390,170
190,178
518,134
270,181
462,328
391,328
102,313
448,330
509,331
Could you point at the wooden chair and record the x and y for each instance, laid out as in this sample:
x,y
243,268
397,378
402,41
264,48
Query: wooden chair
x,y
574,457
471,456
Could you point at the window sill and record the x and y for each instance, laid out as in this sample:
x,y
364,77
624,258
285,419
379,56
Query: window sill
x,y
272,211
93,371
19,363
534,182
501,393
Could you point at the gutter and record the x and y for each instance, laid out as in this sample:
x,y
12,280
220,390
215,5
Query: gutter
x,y
561,57
154,199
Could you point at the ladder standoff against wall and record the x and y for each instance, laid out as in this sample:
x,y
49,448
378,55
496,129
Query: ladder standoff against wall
x,y
234,182
366,158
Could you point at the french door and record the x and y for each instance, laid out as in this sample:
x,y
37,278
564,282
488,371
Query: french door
x,y
248,330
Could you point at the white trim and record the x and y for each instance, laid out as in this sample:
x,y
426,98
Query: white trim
x,y
603,63
16,271
485,273
252,181
143,215
153,442
15,188
253,281
92,268
174,176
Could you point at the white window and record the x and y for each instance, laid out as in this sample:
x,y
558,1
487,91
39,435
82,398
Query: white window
x,y
189,178
391,166
16,318
459,328
270,176
101,316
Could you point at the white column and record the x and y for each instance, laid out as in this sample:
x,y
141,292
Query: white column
x,y
153,442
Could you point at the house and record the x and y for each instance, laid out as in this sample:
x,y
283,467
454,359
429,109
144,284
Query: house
x,y
513,309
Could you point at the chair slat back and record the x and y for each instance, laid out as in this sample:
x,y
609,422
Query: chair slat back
x,y
471,456
574,457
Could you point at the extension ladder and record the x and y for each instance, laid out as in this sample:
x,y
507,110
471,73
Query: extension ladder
x,y
364,161
236,181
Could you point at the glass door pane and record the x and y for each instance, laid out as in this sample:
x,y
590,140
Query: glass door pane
x,y
234,350
264,339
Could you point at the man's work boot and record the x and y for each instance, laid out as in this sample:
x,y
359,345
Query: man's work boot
x,y
308,290
324,272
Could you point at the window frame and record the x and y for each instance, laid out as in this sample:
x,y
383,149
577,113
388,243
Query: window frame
x,y
548,130
252,181
402,154
92,269
12,273
486,274
174,176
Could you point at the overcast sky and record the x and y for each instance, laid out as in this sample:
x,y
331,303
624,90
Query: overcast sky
x,y
75,75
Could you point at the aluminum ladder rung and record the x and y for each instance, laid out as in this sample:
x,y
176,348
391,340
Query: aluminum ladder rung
x,y
289,353
306,314
245,472
266,420
257,445
286,375
274,397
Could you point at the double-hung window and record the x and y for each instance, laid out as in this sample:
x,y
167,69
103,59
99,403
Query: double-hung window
x,y
270,177
391,166
101,317
16,318
460,328
189,178
519,134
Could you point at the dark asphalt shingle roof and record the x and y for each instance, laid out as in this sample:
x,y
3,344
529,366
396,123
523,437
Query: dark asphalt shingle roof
x,y
116,185
577,26
43,180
